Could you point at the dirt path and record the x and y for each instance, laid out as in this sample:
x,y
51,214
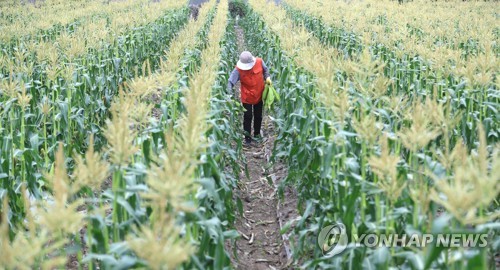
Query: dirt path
x,y
261,246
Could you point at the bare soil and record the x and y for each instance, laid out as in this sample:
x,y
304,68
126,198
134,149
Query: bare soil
x,y
260,245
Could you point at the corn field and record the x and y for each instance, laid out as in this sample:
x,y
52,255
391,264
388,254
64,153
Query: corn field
x,y
120,147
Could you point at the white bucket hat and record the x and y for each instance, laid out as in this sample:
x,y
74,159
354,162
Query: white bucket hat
x,y
247,61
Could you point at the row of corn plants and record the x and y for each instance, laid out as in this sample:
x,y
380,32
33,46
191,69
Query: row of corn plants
x,y
161,138
171,100
375,158
173,196
38,111
187,156
225,152
219,168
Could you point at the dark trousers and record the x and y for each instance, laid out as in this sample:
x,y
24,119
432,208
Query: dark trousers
x,y
255,112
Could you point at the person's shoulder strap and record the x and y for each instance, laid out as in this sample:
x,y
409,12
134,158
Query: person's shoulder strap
x,y
258,60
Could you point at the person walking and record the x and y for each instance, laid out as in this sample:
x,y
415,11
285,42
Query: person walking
x,y
253,74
